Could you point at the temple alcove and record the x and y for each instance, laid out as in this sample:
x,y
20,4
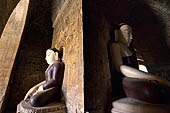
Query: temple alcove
x,y
37,37
149,21
30,63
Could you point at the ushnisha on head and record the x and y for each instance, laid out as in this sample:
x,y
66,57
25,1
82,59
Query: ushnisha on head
x,y
124,35
53,55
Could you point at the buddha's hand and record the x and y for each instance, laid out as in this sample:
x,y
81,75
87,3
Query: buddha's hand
x,y
31,92
40,88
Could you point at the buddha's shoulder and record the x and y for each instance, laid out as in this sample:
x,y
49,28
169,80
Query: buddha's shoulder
x,y
58,63
115,45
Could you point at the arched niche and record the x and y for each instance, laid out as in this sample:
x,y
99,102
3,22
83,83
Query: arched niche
x,y
30,63
150,23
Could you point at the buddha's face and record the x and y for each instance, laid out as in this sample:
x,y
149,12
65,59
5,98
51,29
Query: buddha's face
x,y
51,56
126,34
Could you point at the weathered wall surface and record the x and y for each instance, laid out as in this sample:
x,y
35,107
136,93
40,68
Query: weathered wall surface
x,y
9,44
56,6
6,8
68,33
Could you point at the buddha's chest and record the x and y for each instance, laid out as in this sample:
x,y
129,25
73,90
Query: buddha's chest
x,y
124,51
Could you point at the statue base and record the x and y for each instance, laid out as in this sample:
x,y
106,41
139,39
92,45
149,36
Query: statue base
x,y
130,105
54,107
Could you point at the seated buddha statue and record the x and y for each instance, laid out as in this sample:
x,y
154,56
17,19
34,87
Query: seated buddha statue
x,y
50,89
130,81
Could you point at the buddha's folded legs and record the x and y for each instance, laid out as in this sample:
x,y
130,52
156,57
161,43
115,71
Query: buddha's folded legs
x,y
45,96
146,90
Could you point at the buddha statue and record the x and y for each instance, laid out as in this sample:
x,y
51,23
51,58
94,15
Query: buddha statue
x,y
50,89
130,81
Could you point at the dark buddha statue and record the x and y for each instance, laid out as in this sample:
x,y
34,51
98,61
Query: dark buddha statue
x,y
50,89
131,81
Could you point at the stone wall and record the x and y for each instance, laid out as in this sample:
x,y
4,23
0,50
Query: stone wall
x,y
96,60
68,34
6,8
9,44
56,6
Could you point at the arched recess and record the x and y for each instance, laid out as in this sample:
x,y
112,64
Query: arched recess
x,y
30,63
162,9
9,43
150,23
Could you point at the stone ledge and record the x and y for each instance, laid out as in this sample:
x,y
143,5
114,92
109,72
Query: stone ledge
x,y
55,107
130,105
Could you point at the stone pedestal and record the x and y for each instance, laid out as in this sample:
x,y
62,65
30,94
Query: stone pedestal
x,y
55,107
129,105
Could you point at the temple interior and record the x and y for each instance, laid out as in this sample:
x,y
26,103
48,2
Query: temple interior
x,y
83,28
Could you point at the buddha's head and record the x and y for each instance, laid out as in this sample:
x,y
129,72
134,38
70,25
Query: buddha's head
x,y
52,55
125,35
